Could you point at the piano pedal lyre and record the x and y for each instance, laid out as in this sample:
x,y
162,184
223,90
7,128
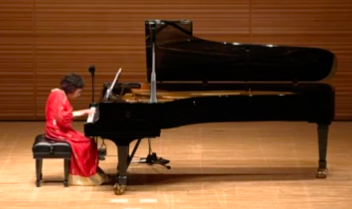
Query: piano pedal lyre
x,y
102,151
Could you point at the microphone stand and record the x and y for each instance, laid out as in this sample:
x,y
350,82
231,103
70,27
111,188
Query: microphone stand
x,y
102,149
92,72
152,158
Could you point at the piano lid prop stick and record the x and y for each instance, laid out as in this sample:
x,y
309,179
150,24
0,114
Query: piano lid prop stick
x,y
153,75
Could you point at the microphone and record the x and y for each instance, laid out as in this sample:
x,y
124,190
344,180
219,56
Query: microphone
x,y
92,72
91,69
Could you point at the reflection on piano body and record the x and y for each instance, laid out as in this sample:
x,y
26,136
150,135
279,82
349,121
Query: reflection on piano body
x,y
202,81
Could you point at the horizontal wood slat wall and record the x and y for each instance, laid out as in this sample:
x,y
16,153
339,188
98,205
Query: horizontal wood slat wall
x,y
41,40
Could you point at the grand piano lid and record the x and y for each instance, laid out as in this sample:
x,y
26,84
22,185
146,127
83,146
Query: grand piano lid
x,y
180,57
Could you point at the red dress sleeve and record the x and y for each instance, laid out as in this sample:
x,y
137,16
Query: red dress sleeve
x,y
62,111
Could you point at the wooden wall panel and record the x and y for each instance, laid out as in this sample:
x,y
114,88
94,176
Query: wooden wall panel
x,y
42,40
71,35
17,62
315,23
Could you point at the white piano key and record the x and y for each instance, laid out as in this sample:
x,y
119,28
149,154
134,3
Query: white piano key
x,y
90,117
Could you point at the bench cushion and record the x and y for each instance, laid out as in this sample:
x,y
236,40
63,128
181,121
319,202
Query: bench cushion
x,y
47,148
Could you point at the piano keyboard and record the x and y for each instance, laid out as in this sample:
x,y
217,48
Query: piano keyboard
x,y
91,117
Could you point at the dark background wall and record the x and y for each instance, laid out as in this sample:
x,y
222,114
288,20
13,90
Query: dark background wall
x,y
41,40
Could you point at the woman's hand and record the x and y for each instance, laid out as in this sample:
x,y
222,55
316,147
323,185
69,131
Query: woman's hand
x,y
83,112
89,111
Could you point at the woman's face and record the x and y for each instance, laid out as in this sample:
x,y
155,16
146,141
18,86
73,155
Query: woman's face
x,y
75,94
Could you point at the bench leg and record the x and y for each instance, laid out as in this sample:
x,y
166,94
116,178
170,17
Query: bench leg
x,y
38,168
66,171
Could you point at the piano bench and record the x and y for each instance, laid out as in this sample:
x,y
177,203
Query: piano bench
x,y
47,148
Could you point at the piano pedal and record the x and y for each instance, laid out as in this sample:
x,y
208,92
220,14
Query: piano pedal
x,y
102,153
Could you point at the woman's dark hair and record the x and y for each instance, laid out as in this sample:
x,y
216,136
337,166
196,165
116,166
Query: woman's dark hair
x,y
72,82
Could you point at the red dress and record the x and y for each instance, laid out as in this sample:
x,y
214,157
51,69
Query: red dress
x,y
84,168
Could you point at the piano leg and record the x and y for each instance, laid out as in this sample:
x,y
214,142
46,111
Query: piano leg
x,y
323,141
123,158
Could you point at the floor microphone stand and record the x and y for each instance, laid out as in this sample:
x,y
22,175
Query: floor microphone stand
x,y
102,149
152,157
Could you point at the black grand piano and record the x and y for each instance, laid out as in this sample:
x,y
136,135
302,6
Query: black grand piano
x,y
192,80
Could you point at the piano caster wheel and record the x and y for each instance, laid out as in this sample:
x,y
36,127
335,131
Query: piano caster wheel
x,y
119,189
37,183
66,183
321,173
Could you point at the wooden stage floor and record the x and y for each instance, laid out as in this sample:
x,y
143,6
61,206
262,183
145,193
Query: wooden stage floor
x,y
218,165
